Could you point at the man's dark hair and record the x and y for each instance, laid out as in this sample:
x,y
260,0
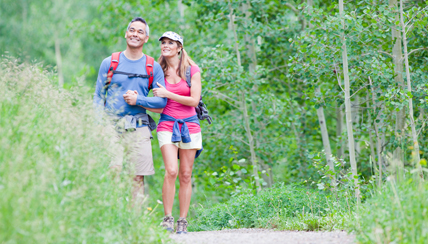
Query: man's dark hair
x,y
142,21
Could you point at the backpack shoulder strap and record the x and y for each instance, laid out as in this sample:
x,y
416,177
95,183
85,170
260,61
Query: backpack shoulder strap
x,y
149,68
113,66
188,76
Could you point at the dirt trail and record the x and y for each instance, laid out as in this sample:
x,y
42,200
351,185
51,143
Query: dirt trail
x,y
253,236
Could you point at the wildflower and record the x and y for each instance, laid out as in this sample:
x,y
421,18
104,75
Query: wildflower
x,y
149,208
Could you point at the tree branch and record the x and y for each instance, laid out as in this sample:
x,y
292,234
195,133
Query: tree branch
x,y
386,53
226,98
279,67
408,22
294,9
416,50
359,90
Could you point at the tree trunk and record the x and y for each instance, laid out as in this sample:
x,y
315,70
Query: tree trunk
x,y
339,131
324,135
251,53
416,156
379,140
348,107
397,54
180,8
355,107
372,152
244,109
59,63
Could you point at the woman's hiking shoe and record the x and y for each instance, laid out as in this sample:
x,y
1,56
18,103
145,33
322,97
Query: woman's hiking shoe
x,y
168,223
181,226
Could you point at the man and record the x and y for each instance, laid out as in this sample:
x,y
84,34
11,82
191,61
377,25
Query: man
x,y
124,99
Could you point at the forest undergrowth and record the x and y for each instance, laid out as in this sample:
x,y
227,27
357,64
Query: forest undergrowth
x,y
283,207
395,213
54,183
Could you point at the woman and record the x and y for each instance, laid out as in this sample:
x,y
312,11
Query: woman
x,y
181,104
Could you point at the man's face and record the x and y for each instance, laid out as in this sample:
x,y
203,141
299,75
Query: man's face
x,y
136,34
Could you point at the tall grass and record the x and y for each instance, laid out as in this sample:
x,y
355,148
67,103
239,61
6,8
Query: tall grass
x,y
396,214
54,181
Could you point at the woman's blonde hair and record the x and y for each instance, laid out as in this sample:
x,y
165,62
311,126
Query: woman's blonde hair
x,y
185,61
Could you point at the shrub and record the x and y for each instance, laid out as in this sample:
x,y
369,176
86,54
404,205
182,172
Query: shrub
x,y
54,185
283,207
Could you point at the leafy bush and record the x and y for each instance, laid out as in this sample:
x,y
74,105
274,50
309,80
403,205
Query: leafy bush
x,y
54,185
397,214
290,207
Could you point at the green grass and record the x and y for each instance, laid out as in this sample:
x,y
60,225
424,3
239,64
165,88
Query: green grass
x,y
54,181
397,214
291,207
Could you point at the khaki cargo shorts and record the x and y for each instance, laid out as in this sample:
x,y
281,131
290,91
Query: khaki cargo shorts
x,y
132,151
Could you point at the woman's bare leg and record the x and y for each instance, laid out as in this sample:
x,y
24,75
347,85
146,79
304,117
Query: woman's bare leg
x,y
187,157
169,154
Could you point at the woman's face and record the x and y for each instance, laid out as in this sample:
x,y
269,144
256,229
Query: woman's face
x,y
169,48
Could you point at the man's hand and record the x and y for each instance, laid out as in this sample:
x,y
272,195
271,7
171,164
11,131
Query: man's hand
x,y
131,97
161,91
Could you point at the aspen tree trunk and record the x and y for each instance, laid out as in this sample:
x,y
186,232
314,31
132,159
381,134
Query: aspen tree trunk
x,y
379,140
397,54
323,123
324,135
372,152
59,62
251,53
348,107
180,8
416,156
244,108
339,131
356,121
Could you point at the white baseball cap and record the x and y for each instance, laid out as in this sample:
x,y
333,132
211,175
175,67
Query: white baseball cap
x,y
173,36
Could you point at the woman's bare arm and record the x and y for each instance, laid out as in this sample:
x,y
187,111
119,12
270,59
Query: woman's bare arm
x,y
195,92
154,110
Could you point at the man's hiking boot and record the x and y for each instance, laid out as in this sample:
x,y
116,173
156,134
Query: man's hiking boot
x,y
181,226
168,223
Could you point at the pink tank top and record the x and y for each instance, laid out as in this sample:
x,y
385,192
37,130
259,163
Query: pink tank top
x,y
178,110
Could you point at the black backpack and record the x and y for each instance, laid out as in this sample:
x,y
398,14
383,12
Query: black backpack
x,y
201,109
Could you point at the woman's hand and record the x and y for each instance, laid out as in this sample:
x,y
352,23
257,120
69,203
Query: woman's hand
x,y
131,97
161,91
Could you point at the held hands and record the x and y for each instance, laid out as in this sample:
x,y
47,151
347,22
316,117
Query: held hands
x,y
161,91
131,97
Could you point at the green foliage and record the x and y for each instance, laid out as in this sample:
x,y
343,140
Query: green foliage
x,y
396,214
291,207
54,182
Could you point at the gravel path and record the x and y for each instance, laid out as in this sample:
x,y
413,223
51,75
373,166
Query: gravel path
x,y
253,236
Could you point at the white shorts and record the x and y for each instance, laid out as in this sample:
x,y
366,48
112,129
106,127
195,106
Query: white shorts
x,y
164,138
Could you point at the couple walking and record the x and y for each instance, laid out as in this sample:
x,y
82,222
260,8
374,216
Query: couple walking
x,y
124,81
